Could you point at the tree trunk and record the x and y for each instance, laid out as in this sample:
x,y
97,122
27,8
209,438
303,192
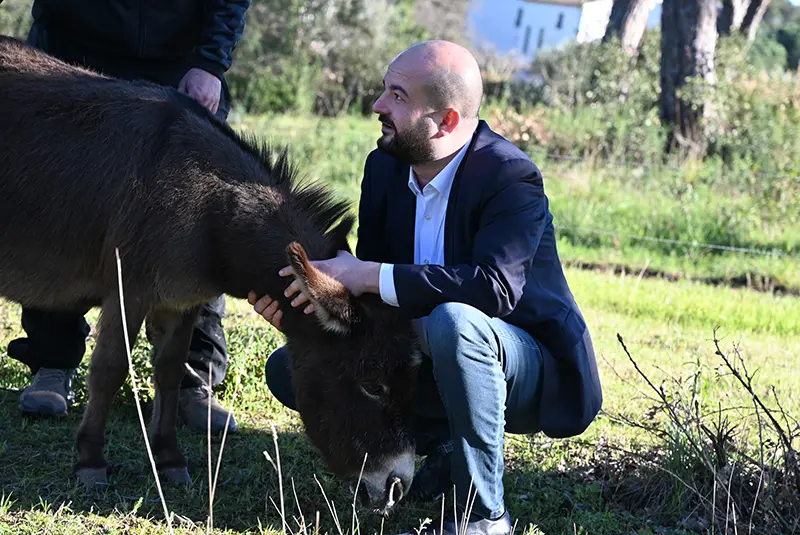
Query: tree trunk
x,y
628,21
444,19
752,18
688,40
741,16
732,15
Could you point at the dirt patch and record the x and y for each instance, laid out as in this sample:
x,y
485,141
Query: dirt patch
x,y
748,281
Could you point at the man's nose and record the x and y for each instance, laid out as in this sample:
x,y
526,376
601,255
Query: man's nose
x,y
379,106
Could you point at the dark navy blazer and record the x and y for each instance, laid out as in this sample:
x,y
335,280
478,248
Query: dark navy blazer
x,y
500,257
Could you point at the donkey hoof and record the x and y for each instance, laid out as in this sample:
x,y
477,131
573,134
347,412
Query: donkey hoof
x,y
93,478
177,475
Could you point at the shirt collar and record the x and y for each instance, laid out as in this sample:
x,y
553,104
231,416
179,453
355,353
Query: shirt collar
x,y
443,181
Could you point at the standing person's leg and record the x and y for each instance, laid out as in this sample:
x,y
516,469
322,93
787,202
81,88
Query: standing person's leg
x,y
53,349
483,378
208,346
56,340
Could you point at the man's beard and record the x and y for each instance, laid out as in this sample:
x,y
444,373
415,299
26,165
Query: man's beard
x,y
412,146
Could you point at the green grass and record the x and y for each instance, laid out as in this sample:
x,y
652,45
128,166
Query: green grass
x,y
329,150
590,201
551,484
590,484
612,215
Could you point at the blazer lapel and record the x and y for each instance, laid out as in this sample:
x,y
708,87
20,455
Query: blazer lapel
x,y
400,221
459,182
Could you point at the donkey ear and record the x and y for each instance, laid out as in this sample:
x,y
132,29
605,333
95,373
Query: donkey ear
x,y
333,303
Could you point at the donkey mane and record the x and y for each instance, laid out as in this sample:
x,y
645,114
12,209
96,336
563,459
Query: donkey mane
x,y
320,203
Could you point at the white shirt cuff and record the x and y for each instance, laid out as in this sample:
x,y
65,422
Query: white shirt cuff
x,y
386,285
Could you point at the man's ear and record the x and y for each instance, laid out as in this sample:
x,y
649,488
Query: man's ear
x,y
450,119
333,303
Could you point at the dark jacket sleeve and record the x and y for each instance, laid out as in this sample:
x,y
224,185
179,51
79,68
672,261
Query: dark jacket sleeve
x,y
370,245
512,221
224,24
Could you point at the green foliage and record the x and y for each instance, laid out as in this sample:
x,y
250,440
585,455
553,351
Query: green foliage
x,y
756,122
789,38
323,56
767,53
326,57
781,24
596,102
15,18
694,204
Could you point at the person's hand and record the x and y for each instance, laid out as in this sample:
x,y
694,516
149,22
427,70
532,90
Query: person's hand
x,y
268,307
202,86
356,275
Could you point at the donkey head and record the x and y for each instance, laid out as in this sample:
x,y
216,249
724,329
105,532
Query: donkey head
x,y
354,386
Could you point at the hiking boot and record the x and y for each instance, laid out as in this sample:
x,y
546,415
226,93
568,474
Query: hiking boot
x,y
50,393
193,411
432,480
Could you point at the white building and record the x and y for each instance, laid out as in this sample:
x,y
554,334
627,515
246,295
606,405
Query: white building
x,y
525,27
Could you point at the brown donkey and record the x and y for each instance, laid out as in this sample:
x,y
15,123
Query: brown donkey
x,y
89,164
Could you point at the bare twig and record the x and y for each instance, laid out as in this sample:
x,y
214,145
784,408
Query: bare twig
x,y
761,474
731,479
746,382
669,408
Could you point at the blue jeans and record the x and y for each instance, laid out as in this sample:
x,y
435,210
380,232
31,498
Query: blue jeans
x,y
481,377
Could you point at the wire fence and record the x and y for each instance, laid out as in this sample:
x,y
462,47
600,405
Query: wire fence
x,y
729,248
545,153
631,163
605,161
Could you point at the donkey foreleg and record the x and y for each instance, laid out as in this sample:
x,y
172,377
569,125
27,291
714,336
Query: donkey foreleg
x,y
172,336
108,369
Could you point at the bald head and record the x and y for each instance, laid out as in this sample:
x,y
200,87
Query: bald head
x,y
449,72
429,106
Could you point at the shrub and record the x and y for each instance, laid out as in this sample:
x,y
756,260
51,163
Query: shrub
x,y
594,102
323,56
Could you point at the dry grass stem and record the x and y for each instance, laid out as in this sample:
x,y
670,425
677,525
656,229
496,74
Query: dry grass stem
x,y
136,392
